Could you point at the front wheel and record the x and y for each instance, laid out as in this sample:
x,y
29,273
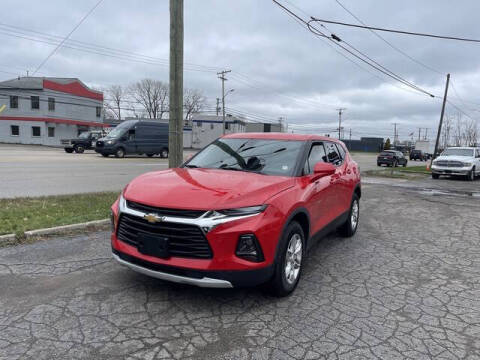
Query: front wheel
x,y
288,266
69,150
471,175
435,176
120,153
349,227
105,155
79,149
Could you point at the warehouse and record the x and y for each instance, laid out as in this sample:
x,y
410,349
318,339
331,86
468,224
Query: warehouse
x,y
44,110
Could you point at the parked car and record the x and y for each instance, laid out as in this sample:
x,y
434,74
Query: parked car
x,y
241,212
463,161
85,141
418,155
391,158
135,137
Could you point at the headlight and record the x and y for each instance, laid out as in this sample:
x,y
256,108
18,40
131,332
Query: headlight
x,y
467,164
249,210
110,142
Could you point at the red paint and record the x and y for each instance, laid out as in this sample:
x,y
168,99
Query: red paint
x,y
74,88
54,120
324,197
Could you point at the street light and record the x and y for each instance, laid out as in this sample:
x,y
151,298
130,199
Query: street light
x,y
223,106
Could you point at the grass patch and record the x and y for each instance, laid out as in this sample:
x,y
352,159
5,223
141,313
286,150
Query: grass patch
x,y
419,169
22,214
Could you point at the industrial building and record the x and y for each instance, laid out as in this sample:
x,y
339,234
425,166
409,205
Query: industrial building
x,y
368,144
44,110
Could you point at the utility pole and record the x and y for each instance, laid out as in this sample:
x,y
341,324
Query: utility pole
x,y
218,105
395,135
426,132
340,111
223,78
419,133
175,131
441,118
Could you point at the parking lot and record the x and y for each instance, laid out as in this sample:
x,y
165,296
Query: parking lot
x,y
405,286
28,170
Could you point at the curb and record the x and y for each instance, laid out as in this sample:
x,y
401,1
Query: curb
x,y
7,238
58,229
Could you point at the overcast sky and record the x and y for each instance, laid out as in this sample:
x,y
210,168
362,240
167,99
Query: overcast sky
x,y
278,67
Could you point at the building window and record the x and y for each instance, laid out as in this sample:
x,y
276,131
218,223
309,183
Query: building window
x,y
227,126
99,111
13,102
51,131
51,104
36,131
211,126
14,130
35,100
199,124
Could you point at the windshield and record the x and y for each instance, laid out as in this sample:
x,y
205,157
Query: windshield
x,y
263,156
84,135
119,130
458,152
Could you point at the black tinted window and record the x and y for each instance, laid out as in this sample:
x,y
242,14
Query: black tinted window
x,y
317,154
341,150
332,154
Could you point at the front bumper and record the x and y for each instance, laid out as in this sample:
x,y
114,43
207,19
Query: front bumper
x,y
439,170
109,150
201,278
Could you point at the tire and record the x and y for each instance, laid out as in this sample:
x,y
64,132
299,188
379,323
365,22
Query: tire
x,y
282,284
150,155
471,175
69,150
395,163
105,155
79,149
120,153
435,176
378,164
349,227
405,164
164,153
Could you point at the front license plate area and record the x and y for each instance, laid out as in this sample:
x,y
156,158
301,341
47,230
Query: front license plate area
x,y
153,245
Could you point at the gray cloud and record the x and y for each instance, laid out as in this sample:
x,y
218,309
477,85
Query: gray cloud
x,y
289,72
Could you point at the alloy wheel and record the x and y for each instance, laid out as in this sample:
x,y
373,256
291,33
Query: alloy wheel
x,y
293,259
354,214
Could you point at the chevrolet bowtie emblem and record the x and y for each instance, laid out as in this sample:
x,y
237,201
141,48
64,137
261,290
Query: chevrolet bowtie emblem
x,y
153,218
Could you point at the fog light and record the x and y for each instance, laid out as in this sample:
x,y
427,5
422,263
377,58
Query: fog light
x,y
248,248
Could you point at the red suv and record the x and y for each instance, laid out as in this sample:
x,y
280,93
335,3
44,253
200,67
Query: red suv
x,y
241,212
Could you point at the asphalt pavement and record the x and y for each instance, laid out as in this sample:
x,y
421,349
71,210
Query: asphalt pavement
x,y
31,170
405,286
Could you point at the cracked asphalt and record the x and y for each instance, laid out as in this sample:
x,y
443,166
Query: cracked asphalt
x,y
407,285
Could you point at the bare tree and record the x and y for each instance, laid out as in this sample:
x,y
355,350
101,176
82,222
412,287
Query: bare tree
x,y
117,95
152,95
193,102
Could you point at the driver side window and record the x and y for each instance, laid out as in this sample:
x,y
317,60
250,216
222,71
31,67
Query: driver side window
x,y
317,154
332,154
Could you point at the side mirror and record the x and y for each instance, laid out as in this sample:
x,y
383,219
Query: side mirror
x,y
322,169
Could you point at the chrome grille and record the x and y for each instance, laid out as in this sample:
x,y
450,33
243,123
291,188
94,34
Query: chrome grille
x,y
449,163
191,214
184,240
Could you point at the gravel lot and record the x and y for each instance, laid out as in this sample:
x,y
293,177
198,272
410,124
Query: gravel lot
x,y
406,286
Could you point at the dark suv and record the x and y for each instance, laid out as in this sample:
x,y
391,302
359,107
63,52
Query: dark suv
x,y
391,158
85,141
418,155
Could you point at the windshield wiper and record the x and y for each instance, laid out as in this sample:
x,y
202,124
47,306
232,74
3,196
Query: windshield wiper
x,y
191,166
230,168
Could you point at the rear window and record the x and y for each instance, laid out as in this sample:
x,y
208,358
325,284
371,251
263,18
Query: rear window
x,y
386,153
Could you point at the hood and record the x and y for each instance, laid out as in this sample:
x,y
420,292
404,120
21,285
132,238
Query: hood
x,y
204,189
455,158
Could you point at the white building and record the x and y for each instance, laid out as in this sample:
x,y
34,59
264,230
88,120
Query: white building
x,y
44,110
207,128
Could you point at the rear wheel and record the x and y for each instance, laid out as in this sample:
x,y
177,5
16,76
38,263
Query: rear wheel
x,y
164,153
105,155
288,266
349,227
69,150
120,153
79,149
395,163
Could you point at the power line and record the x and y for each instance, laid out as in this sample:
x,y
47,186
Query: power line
x,y
66,37
388,42
336,40
397,31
